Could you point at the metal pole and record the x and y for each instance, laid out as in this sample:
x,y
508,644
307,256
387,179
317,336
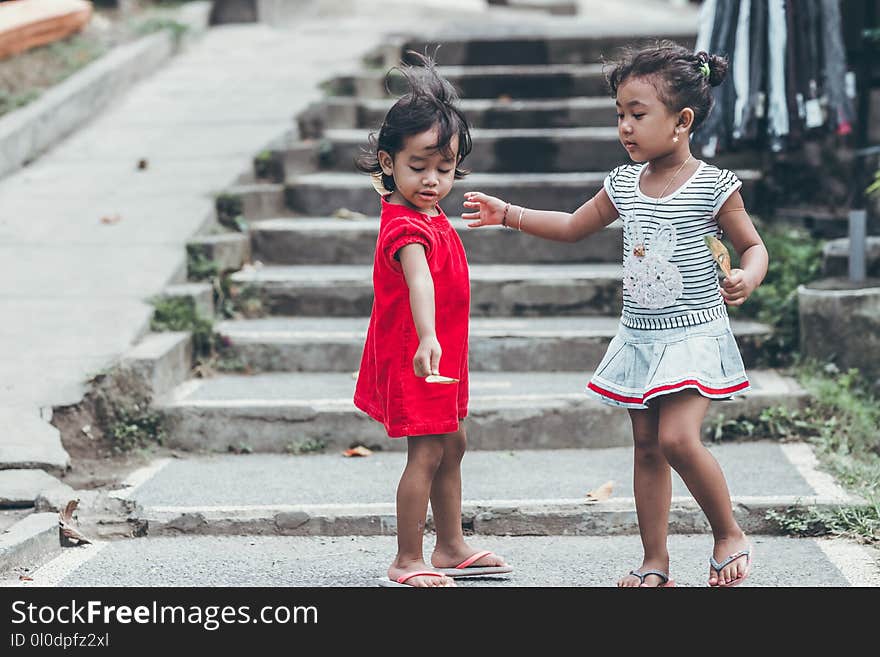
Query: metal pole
x,y
858,220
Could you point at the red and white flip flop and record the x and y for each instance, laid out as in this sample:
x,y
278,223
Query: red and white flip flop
x,y
403,579
465,569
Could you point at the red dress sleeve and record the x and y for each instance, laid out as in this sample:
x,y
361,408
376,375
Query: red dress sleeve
x,y
399,232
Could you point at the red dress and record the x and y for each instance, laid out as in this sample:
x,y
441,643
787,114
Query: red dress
x,y
387,388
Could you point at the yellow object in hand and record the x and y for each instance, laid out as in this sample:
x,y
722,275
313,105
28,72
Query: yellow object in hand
x,y
719,253
436,378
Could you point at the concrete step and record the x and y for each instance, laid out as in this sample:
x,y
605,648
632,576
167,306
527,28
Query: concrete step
x,y
552,7
368,113
504,492
28,543
324,193
530,150
508,411
530,49
496,290
539,344
551,81
315,241
835,257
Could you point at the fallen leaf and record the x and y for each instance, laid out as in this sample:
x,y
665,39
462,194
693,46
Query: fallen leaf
x,y
25,578
111,219
602,493
68,534
143,164
360,450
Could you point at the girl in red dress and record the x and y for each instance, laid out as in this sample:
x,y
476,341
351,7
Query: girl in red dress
x,y
420,266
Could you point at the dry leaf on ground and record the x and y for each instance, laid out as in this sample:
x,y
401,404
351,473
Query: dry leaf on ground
x,y
68,534
602,493
111,219
360,450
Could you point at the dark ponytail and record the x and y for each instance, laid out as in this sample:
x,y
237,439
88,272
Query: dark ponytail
x,y
431,101
682,77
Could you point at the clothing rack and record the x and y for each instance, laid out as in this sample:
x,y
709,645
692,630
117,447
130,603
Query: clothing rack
x,y
788,76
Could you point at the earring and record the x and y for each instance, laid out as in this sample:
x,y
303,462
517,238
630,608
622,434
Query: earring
x,y
675,138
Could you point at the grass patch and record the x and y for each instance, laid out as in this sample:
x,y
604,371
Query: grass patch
x,y
134,427
180,314
842,422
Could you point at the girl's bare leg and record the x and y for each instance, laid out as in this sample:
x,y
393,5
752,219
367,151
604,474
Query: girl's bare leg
x,y
681,420
451,548
652,486
424,454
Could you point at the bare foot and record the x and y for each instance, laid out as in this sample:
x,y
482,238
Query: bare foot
x,y
451,556
724,548
399,569
651,581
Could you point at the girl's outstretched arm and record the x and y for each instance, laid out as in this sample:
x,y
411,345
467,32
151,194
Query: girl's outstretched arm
x,y
753,257
421,301
591,217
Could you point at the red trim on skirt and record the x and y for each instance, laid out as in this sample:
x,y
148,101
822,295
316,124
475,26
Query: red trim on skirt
x,y
673,386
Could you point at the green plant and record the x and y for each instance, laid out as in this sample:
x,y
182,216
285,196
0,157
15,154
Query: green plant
x,y
199,266
267,166
11,101
874,187
244,300
135,426
230,209
858,522
307,446
795,258
156,24
180,314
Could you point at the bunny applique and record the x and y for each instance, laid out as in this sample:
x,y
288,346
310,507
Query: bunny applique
x,y
649,278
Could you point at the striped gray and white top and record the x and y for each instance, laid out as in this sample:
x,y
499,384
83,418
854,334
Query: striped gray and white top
x,y
691,210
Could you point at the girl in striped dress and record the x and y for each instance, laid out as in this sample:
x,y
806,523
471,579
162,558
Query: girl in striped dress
x,y
674,351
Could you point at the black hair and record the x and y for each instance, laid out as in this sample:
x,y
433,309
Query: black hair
x,y
431,101
683,78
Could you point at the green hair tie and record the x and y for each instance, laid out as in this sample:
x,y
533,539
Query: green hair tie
x,y
705,70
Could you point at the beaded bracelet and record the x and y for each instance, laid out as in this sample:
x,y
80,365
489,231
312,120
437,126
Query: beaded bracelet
x,y
504,218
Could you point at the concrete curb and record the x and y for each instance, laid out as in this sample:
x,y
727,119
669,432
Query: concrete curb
x,y
27,132
485,517
33,443
29,542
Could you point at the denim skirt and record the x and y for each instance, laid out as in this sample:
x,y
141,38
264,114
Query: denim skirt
x,y
643,364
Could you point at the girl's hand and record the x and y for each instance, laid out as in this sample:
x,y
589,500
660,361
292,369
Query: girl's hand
x,y
427,358
737,287
490,213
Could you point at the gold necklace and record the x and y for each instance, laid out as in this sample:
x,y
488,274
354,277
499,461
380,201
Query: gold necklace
x,y
639,246
674,175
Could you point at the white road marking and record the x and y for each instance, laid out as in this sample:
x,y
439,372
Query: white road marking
x,y
858,563
801,456
138,478
54,571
